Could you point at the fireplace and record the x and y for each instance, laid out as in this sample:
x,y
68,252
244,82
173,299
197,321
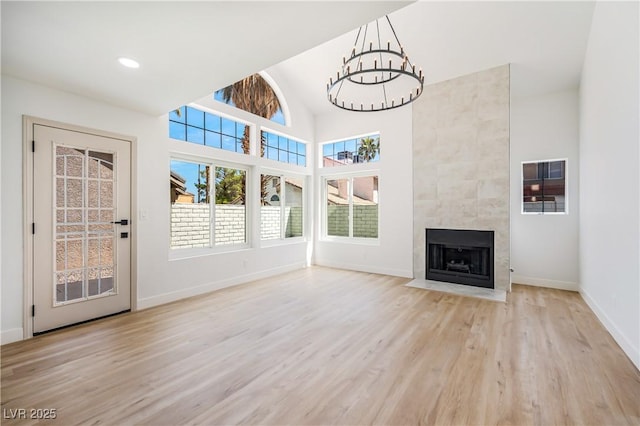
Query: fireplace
x,y
460,256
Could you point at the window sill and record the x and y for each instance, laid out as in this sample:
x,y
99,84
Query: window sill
x,y
280,242
351,240
544,213
189,253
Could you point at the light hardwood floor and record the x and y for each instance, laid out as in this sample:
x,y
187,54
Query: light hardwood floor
x,y
323,346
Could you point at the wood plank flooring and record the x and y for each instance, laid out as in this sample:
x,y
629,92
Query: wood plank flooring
x,y
324,346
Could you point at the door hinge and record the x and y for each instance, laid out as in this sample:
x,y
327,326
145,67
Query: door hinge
x,y
33,228
33,310
33,146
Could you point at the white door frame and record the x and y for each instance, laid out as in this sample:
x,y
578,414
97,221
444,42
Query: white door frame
x,y
27,211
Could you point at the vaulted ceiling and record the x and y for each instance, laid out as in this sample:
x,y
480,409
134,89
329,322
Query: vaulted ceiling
x,y
186,49
189,49
544,42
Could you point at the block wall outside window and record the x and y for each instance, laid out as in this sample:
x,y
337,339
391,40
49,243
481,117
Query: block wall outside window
x,y
230,208
194,203
352,207
281,212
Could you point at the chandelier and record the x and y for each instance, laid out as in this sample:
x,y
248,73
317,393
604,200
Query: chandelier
x,y
375,76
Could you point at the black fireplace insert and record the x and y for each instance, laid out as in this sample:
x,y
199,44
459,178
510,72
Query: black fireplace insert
x,y
460,256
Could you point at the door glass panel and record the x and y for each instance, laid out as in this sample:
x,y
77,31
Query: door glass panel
x,y
73,193
94,252
93,215
106,251
60,192
74,254
74,165
106,215
94,193
74,216
69,286
84,240
106,194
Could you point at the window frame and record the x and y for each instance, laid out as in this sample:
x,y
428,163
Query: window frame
x,y
565,177
222,116
265,129
324,231
182,253
357,138
254,165
283,240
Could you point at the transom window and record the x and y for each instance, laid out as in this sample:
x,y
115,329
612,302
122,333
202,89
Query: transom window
x,y
283,149
203,128
365,149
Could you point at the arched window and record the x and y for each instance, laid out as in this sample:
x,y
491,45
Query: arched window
x,y
256,95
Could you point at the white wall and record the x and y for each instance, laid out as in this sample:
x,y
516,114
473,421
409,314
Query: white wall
x,y
393,253
159,279
544,248
609,177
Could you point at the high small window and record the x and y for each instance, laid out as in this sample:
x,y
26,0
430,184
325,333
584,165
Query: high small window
x,y
351,151
203,128
281,213
283,149
351,207
544,187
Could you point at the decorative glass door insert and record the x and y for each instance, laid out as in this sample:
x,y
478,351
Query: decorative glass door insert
x,y
84,232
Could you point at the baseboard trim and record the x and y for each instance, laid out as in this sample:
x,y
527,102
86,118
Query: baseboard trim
x,y
11,335
161,299
627,347
365,268
543,282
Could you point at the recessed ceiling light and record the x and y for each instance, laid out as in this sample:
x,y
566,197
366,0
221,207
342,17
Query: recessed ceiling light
x,y
128,62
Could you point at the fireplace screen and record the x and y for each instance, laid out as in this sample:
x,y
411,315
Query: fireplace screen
x,y
460,256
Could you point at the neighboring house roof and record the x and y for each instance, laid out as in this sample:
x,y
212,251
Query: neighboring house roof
x,y
334,198
178,184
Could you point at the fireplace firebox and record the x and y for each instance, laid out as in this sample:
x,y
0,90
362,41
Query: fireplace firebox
x,y
460,256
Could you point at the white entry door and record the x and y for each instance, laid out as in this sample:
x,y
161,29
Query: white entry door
x,y
81,223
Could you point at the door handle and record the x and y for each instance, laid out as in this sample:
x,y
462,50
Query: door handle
x,y
122,222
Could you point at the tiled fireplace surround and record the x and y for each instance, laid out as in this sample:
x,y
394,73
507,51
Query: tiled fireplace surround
x,y
461,162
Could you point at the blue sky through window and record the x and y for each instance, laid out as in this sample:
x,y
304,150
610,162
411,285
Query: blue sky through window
x,y
203,128
188,171
283,149
347,151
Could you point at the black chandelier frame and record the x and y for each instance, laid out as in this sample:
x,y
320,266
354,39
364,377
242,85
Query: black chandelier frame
x,y
354,71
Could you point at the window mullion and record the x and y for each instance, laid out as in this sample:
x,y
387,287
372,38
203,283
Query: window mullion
x,y
212,203
283,202
350,196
